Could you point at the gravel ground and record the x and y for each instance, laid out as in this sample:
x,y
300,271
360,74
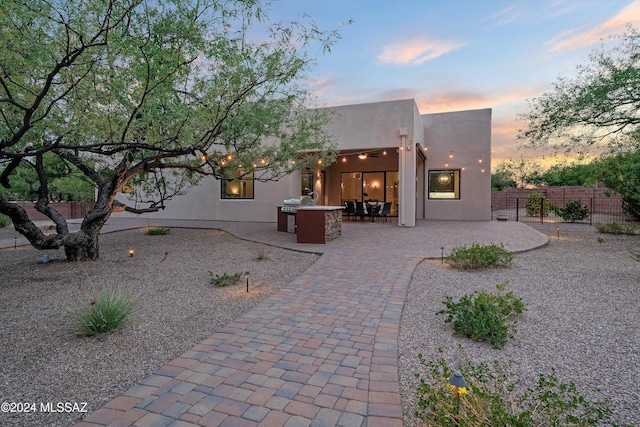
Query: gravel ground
x,y
43,361
582,319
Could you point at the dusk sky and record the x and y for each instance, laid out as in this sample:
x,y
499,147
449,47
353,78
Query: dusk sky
x,y
452,55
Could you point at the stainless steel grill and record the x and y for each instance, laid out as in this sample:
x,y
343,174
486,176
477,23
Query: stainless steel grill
x,y
292,205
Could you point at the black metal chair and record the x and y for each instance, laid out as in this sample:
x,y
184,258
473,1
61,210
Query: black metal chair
x,y
350,209
386,211
360,210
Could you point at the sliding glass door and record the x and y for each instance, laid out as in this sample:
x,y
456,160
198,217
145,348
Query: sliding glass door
x,y
371,186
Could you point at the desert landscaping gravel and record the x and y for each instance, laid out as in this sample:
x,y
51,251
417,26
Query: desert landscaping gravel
x,y
583,298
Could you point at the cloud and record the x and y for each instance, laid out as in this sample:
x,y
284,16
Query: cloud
x,y
505,16
616,25
416,51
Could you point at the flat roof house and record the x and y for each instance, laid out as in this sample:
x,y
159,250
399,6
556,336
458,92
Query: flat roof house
x,y
428,166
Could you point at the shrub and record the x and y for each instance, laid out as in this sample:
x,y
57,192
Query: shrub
x,y
537,204
616,228
484,316
573,211
4,221
493,398
225,279
103,313
158,231
478,256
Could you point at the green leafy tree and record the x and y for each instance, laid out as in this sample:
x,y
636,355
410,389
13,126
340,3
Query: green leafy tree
x,y
502,179
621,173
148,97
521,173
571,175
600,108
66,182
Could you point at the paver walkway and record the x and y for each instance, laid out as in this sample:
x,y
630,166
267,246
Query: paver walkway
x,y
322,351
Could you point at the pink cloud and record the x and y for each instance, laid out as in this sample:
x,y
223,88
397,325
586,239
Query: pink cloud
x,y
417,51
615,25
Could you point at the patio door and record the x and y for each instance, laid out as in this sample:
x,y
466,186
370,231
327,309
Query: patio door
x,y
379,186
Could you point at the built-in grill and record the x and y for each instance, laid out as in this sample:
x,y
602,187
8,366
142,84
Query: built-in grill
x,y
292,205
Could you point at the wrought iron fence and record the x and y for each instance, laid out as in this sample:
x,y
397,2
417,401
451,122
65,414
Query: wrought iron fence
x,y
601,210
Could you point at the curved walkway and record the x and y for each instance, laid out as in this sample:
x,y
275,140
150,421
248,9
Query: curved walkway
x,y
322,351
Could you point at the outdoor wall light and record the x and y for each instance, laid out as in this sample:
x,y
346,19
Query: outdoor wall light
x,y
131,252
246,276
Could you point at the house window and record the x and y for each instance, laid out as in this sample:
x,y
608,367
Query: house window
x,y
238,188
307,182
444,184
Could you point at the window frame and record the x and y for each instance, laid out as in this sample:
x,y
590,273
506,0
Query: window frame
x,y
248,178
455,185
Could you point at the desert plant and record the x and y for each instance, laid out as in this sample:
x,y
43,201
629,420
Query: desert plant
x,y
103,313
479,256
573,211
485,316
4,221
224,279
494,398
617,228
158,231
537,204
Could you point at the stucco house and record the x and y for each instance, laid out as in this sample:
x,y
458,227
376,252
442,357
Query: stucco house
x,y
428,166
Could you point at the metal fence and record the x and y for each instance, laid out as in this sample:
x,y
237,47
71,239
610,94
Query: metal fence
x,y
602,210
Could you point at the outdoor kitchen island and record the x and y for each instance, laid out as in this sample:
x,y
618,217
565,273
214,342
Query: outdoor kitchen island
x,y
313,224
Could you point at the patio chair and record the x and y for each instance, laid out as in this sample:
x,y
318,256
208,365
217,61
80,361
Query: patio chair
x,y
350,209
386,211
361,210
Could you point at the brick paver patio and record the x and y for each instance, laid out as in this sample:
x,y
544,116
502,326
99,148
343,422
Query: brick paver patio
x,y
320,352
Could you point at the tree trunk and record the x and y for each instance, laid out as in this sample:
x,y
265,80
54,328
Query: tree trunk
x,y
82,246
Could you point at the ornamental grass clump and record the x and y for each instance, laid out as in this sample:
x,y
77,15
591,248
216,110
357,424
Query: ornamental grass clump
x,y
617,228
494,398
103,313
477,257
158,231
485,316
224,279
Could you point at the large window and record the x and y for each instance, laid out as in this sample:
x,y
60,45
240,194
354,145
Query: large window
x,y
444,184
237,188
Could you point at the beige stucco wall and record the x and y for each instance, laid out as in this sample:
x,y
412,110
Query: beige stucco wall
x,y
368,126
468,135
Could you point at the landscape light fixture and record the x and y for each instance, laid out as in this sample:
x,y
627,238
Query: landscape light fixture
x,y
558,231
15,242
457,380
131,252
442,253
246,276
